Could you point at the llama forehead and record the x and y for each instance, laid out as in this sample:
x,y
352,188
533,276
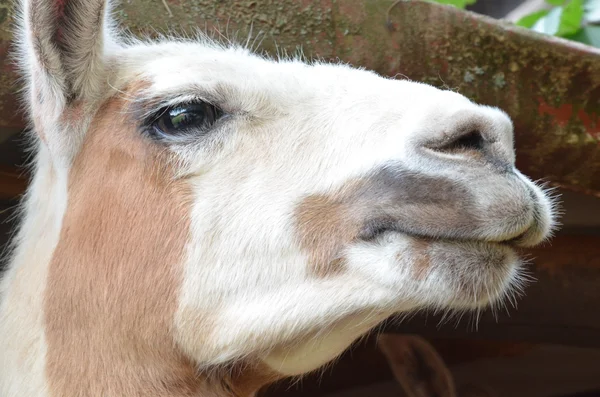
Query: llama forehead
x,y
173,67
286,84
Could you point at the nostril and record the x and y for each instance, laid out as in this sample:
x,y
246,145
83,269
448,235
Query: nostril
x,y
472,141
471,137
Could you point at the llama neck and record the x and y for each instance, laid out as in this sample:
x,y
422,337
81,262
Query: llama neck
x,y
23,285
70,321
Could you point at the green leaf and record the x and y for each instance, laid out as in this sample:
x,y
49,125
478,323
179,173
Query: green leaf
x,y
570,18
589,35
550,23
574,20
529,20
456,3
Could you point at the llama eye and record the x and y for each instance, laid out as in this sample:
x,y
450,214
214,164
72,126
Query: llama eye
x,y
185,119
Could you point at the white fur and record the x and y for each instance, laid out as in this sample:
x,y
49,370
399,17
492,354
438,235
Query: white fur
x,y
22,339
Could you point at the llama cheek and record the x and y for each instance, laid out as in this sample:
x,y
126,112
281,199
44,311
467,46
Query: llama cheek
x,y
324,227
109,279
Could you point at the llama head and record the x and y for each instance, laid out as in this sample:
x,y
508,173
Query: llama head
x,y
217,207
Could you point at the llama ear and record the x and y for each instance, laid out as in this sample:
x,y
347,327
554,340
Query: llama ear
x,y
63,43
416,365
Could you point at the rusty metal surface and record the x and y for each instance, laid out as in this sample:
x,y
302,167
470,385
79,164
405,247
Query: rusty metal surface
x,y
550,87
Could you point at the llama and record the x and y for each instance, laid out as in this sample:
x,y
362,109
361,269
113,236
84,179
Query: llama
x,y
203,221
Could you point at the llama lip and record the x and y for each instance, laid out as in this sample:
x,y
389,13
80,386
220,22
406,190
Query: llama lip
x,y
515,241
376,229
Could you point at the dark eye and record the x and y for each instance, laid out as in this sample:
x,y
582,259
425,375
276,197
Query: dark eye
x,y
186,119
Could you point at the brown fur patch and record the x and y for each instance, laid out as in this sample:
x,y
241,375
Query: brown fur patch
x,y
325,226
114,278
422,260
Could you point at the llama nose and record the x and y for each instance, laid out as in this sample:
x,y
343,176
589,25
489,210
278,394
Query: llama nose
x,y
482,135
